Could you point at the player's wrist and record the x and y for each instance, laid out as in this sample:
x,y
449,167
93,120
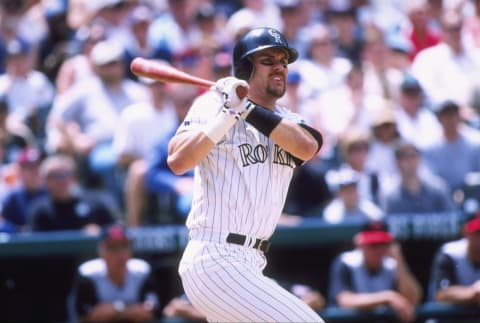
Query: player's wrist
x,y
216,129
264,120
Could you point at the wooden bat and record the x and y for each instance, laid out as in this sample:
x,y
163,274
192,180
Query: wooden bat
x,y
162,72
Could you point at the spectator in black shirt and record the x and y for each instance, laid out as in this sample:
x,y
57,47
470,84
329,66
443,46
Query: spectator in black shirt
x,y
67,206
455,276
17,204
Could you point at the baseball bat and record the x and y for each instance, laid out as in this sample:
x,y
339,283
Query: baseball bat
x,y
162,72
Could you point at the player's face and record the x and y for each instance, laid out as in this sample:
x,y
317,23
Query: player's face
x,y
270,71
374,254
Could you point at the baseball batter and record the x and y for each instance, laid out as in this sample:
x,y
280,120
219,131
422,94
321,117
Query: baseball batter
x,y
244,151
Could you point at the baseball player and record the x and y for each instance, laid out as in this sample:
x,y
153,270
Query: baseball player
x,y
243,151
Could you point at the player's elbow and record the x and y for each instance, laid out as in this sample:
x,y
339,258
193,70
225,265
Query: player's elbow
x,y
307,150
177,165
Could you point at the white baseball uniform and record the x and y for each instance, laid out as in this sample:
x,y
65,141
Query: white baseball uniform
x,y
240,187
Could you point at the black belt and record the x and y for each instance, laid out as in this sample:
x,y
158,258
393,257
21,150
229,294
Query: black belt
x,y
262,245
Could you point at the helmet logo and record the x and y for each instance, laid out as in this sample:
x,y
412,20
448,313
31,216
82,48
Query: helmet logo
x,y
276,35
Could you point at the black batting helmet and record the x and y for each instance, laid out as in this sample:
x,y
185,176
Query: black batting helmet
x,y
256,40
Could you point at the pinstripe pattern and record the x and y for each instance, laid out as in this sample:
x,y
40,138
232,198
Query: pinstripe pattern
x,y
226,283
234,192
240,187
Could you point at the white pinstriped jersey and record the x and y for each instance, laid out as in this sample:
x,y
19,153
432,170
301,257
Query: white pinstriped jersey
x,y
242,184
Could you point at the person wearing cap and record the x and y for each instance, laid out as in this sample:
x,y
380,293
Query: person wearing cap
x,y
454,142
16,206
374,274
27,91
348,204
455,277
116,286
384,136
415,120
83,119
67,205
354,146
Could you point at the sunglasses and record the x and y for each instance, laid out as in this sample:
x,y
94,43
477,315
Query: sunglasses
x,y
60,175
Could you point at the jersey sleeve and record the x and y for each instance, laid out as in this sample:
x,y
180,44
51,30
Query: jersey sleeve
x,y
340,280
85,296
203,109
442,275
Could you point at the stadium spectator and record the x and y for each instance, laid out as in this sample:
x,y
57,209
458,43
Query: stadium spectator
x,y
115,287
453,143
67,206
15,135
342,16
420,30
296,16
455,277
173,31
255,13
414,193
149,178
136,135
380,78
79,66
449,69
354,108
308,193
415,121
399,48
160,181
28,92
354,147
321,69
348,203
16,207
374,274
381,152
83,119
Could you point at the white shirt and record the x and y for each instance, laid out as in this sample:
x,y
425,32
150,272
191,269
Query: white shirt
x,y
141,126
444,75
24,95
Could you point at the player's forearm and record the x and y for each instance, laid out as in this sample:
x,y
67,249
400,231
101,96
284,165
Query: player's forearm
x,y
456,294
294,139
187,150
364,301
408,286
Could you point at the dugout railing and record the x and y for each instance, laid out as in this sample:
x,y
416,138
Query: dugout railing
x,y
38,268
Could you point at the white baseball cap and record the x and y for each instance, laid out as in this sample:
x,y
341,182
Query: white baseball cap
x,y
105,52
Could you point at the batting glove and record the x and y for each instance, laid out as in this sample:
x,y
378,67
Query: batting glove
x,y
227,87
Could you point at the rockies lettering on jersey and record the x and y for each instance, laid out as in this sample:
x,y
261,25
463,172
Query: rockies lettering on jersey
x,y
258,154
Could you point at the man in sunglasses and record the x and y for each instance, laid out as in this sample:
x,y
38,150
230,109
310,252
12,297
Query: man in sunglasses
x,y
67,206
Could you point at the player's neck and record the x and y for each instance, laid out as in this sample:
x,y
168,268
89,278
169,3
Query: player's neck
x,y
266,102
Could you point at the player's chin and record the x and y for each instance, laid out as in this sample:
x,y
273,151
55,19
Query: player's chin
x,y
276,91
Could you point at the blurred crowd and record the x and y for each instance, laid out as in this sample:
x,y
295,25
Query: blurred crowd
x,y
392,85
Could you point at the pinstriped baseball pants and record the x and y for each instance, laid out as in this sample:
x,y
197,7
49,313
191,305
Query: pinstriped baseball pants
x,y
225,282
